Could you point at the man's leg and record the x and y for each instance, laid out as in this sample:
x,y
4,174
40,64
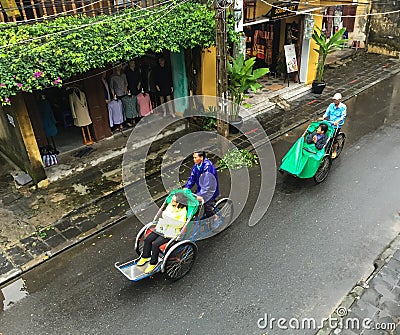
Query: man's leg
x,y
335,143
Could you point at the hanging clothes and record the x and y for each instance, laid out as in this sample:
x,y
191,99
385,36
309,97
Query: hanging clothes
x,y
130,107
47,117
144,103
119,84
79,108
115,114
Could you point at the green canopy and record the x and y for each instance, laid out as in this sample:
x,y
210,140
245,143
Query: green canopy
x,y
303,159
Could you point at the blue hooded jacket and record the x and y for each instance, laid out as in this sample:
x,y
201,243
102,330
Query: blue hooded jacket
x,y
206,180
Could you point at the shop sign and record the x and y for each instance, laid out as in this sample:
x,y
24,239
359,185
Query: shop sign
x,y
281,10
290,56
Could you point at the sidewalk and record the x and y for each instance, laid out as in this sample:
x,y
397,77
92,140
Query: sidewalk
x,y
38,224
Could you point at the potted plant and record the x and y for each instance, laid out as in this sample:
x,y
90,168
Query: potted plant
x,y
241,78
326,46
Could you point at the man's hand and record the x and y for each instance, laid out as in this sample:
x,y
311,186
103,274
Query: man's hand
x,y
199,198
336,123
314,138
157,88
321,119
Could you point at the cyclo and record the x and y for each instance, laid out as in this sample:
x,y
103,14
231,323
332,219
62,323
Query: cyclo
x,y
178,255
303,160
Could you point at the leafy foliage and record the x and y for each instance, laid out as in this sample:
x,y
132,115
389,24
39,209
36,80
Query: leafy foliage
x,y
326,47
241,78
44,54
236,159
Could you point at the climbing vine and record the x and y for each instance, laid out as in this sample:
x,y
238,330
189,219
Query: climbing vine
x,y
44,54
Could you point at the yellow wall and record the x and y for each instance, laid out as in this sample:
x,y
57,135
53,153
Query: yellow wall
x,y
208,75
313,56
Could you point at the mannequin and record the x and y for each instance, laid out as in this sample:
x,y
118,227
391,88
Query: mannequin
x,y
107,91
118,83
115,114
144,103
80,113
133,76
48,121
130,108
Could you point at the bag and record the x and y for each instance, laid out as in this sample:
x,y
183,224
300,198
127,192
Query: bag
x,y
49,160
49,157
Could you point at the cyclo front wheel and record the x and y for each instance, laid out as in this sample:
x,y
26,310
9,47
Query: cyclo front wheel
x,y
323,170
179,260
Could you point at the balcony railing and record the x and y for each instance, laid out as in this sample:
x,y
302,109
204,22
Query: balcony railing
x,y
35,10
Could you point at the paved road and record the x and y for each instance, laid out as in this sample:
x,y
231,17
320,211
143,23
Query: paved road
x,y
312,246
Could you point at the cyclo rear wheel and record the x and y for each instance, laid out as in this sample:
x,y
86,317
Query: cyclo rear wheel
x,y
224,210
323,170
340,139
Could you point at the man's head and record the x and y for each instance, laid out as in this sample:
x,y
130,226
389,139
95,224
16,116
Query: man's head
x,y
161,61
198,157
337,98
132,64
322,129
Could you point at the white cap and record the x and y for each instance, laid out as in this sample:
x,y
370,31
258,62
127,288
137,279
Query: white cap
x,y
337,96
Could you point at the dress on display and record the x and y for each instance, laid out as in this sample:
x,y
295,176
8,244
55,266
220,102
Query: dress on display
x,y
118,84
79,108
115,112
47,117
130,107
144,102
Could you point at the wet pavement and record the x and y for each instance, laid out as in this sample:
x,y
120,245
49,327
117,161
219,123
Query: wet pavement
x,y
42,223
295,263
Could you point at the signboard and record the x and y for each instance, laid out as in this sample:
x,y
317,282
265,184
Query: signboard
x,y
290,56
281,10
238,15
11,120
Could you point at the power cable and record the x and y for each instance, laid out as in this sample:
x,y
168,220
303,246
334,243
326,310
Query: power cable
x,y
105,20
360,15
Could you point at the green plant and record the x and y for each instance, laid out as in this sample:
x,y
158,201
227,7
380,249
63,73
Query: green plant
x,y
45,54
326,46
242,77
236,159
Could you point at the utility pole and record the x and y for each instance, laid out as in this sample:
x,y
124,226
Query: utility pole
x,y
222,75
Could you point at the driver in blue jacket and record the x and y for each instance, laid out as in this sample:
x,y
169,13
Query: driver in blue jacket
x,y
336,114
205,177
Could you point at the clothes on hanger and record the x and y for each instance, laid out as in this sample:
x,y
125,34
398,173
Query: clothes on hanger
x,y
144,103
79,108
119,84
115,114
47,117
130,107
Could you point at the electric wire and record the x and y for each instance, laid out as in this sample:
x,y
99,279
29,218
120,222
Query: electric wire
x,y
105,20
360,15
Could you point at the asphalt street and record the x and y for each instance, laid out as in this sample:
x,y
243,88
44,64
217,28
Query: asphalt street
x,y
314,243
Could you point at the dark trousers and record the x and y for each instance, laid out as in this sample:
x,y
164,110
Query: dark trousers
x,y
209,208
152,243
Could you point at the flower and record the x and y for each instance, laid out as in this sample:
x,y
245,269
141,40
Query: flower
x,y
38,74
7,100
57,81
2,85
19,85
